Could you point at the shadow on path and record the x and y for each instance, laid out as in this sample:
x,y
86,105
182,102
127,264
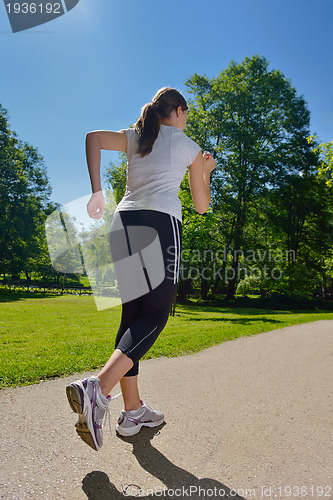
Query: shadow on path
x,y
178,482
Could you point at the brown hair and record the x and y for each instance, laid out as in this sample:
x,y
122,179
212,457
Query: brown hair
x,y
148,125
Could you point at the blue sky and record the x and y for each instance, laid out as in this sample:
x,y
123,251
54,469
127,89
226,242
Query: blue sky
x,y
96,66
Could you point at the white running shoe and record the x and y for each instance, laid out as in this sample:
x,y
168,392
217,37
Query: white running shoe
x,y
130,422
86,399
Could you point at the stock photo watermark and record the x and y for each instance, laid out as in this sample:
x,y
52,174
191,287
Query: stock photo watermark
x,y
264,491
208,264
250,255
24,15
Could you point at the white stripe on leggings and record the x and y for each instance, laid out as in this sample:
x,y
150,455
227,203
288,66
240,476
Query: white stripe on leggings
x,y
176,249
142,340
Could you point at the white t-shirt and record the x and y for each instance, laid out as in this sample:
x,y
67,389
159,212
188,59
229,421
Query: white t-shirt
x,y
153,181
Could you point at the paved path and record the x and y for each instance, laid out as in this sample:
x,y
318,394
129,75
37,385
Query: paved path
x,y
251,413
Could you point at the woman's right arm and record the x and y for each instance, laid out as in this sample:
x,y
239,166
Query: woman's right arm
x,y
95,141
199,180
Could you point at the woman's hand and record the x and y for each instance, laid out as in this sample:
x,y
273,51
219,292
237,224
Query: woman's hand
x,y
209,162
96,204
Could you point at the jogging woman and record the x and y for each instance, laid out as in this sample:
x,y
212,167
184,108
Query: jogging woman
x,y
158,155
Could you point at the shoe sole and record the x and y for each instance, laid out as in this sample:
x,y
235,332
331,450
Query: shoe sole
x,y
75,393
131,432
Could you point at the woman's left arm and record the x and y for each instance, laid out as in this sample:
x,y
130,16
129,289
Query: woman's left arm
x,y
95,141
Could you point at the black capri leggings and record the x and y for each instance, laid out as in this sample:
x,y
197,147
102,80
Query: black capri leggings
x,y
144,317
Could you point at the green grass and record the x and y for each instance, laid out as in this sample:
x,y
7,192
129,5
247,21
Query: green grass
x,y
44,337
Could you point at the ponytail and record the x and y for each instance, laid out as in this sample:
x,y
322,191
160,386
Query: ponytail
x,y
148,125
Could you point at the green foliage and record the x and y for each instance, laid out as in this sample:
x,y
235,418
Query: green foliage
x,y
116,175
266,194
325,152
24,203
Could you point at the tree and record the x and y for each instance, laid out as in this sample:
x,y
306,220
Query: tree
x,y
255,124
325,150
300,213
24,202
201,243
116,176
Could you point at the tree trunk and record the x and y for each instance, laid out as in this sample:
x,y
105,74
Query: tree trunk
x,y
216,285
323,281
205,286
218,278
291,286
184,290
233,280
173,305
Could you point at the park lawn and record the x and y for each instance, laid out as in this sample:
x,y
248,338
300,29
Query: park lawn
x,y
45,337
